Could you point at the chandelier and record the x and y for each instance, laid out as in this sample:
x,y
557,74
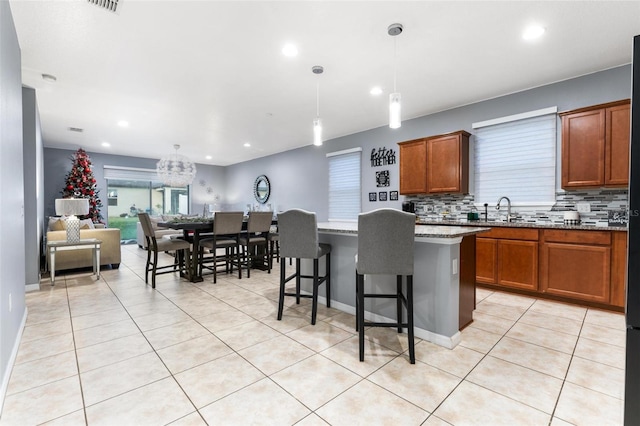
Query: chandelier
x,y
176,170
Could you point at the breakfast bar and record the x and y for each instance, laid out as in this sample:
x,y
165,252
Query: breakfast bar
x,y
444,278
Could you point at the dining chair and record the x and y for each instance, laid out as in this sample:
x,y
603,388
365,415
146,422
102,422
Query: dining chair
x,y
227,227
385,247
254,241
154,246
298,233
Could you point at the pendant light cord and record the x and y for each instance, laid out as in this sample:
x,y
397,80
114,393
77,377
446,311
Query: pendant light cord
x,y
318,98
395,63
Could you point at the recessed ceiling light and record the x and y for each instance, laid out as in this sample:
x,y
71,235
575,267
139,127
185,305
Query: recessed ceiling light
x,y
106,144
208,157
375,91
76,129
123,123
50,78
533,32
289,50
247,145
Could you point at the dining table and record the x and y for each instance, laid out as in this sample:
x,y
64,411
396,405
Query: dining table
x,y
192,229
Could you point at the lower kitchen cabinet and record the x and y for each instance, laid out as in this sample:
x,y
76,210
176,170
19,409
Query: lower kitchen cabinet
x,y
508,257
562,264
576,264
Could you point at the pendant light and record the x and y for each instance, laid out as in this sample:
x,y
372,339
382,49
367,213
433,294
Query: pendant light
x,y
317,123
176,170
394,98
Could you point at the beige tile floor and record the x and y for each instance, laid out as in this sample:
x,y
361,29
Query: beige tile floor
x,y
116,352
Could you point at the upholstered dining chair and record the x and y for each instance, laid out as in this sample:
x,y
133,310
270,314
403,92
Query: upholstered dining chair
x,y
154,246
385,247
227,227
298,231
254,241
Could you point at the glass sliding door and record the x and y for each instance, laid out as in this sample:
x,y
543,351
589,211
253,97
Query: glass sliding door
x,y
134,191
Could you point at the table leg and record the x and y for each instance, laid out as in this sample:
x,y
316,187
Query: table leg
x,y
195,258
53,264
96,262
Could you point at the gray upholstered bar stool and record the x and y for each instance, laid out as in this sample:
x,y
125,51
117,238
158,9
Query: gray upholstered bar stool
x,y
226,233
385,247
182,248
298,231
258,228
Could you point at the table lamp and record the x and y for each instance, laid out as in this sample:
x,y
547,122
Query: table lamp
x,y
71,207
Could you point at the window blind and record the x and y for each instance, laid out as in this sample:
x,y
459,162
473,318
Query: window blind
x,y
130,173
344,184
516,158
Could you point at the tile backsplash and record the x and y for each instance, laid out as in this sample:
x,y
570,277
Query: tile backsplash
x,y
456,206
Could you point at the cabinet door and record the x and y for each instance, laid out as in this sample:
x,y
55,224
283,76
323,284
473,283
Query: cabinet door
x,y
446,168
583,149
413,167
486,260
518,264
576,271
617,145
618,268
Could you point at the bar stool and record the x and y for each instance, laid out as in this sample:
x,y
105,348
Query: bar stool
x,y
154,246
385,247
258,228
227,227
298,232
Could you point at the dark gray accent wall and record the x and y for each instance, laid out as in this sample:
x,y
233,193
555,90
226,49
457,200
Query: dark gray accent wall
x,y
299,177
210,180
12,245
33,185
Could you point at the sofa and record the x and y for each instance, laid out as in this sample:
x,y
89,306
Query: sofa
x,y
109,249
159,232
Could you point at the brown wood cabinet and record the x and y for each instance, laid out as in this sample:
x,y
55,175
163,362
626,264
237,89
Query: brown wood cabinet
x,y
569,265
595,145
508,257
437,164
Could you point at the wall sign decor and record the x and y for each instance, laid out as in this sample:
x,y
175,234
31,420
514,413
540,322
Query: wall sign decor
x,y
382,178
382,196
382,157
393,196
372,196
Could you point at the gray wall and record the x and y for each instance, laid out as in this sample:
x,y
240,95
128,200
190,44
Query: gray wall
x,y
210,180
299,177
12,253
33,185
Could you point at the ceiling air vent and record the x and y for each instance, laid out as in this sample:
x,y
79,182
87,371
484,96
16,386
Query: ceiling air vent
x,y
110,5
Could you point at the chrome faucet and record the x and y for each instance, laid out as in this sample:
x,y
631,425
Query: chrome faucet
x,y
510,217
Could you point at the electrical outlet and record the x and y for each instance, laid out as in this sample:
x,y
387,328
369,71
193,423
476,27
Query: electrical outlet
x,y
454,266
583,207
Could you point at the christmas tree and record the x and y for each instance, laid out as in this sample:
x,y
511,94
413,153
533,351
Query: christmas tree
x,y
80,183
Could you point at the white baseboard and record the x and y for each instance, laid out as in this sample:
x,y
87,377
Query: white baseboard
x,y
32,287
429,336
6,375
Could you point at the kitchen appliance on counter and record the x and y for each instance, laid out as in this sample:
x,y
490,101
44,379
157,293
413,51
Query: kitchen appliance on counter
x,y
571,218
632,309
409,206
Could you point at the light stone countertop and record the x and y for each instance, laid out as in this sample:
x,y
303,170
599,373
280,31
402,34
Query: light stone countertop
x,y
520,224
422,231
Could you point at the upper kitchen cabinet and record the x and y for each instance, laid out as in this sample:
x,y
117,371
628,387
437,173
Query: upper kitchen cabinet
x,y
595,146
436,164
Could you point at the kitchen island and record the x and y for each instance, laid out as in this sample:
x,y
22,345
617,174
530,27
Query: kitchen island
x,y
444,278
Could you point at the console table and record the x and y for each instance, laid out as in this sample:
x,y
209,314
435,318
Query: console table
x,y
89,243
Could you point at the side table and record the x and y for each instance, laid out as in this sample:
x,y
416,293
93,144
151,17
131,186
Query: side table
x,y
89,243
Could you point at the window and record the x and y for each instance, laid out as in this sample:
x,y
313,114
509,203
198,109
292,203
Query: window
x,y
515,156
131,191
344,184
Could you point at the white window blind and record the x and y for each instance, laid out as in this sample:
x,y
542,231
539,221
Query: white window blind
x,y
344,184
516,157
130,173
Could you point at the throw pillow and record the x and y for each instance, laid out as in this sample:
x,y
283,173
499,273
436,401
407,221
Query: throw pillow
x,y
57,223
86,224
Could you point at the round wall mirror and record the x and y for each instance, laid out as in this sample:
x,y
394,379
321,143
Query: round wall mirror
x,y
262,189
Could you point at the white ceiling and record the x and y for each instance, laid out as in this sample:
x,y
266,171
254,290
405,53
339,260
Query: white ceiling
x,y
210,75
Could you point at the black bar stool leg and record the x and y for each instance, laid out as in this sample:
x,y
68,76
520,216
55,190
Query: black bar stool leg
x,y
399,302
412,352
360,314
281,298
327,278
316,284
